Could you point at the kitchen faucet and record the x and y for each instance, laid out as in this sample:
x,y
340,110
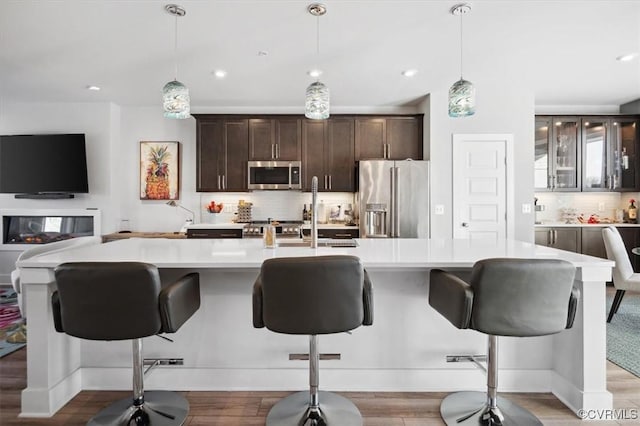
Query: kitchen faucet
x,y
314,212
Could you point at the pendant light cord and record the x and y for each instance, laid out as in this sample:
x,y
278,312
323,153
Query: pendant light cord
x,y
461,13
317,44
175,49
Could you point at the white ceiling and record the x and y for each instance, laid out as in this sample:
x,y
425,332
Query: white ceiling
x,y
562,50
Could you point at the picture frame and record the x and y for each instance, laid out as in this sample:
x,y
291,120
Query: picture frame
x,y
159,170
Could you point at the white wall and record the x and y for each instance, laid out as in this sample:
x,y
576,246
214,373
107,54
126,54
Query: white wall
x,y
148,124
500,108
99,123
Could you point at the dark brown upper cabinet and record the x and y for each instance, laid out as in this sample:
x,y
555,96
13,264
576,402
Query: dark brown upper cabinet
x,y
222,154
609,149
328,153
557,153
392,138
587,153
275,139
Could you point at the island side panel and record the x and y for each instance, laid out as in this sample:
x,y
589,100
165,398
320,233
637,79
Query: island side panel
x,y
53,359
579,354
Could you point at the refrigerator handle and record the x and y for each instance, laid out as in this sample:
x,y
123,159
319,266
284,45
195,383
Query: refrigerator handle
x,y
395,210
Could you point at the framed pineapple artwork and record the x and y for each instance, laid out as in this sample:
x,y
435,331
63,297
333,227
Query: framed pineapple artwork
x,y
159,170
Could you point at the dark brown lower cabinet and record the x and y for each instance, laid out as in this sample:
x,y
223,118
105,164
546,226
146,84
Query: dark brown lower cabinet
x,y
214,233
334,233
588,240
592,242
568,239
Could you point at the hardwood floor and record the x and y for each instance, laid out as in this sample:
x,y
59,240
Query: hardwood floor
x,y
251,408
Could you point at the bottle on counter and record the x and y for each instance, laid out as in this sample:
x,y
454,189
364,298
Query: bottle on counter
x,y
633,211
305,213
269,235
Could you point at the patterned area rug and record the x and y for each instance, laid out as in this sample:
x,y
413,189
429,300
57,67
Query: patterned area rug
x,y
12,329
623,333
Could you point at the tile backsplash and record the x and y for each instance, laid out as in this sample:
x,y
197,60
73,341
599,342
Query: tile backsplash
x,y
603,204
280,205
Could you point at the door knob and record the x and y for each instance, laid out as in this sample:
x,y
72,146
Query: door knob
x,y
465,225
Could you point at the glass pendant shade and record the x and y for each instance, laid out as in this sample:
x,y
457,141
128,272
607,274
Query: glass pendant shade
x,y
316,105
176,101
462,99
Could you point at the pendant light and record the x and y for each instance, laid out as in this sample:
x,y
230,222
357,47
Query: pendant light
x,y
462,95
175,95
316,104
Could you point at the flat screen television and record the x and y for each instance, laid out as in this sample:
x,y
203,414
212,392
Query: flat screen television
x,y
43,166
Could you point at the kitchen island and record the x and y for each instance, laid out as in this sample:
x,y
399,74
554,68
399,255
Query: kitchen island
x,y
404,350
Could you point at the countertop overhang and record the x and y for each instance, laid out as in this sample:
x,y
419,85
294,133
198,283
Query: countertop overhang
x,y
396,253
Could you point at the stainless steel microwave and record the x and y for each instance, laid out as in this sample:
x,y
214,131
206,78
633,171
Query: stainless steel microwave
x,y
274,175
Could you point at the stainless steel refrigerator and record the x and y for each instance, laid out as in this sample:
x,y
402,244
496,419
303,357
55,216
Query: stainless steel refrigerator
x,y
393,198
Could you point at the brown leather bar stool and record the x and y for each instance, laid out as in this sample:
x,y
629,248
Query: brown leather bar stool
x,y
505,297
125,301
312,296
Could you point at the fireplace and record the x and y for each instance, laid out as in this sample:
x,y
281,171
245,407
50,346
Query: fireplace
x,y
22,228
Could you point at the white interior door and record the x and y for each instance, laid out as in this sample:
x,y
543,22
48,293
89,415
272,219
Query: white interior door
x,y
480,190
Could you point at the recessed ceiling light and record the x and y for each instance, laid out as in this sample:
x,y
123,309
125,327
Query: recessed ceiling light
x,y
262,53
220,73
626,58
94,88
315,73
410,72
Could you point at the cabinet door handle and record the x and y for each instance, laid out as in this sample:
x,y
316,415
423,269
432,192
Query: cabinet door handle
x,y
224,181
384,150
277,150
347,235
388,150
273,156
553,182
329,182
223,235
325,182
219,182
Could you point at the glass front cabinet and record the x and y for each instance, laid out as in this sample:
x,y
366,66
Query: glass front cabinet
x,y
557,153
609,149
586,153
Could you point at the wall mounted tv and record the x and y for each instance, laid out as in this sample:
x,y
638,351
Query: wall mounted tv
x,y
43,166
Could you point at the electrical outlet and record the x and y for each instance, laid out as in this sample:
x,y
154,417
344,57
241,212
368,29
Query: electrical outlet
x,y
439,209
600,207
526,208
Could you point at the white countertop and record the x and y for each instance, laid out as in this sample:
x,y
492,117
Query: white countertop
x,y
584,225
249,253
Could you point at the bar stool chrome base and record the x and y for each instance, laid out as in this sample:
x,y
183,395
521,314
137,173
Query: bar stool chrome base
x,y
335,410
160,408
468,408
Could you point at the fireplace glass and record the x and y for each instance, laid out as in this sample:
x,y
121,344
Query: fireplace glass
x,y
45,229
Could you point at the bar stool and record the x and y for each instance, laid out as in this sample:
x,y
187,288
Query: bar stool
x,y
505,297
313,295
125,301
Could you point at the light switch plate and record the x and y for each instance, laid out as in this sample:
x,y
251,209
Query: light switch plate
x,y
439,209
526,208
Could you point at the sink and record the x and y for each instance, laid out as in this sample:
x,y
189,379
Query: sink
x,y
321,243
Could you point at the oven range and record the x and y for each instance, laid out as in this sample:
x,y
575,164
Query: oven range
x,y
284,229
